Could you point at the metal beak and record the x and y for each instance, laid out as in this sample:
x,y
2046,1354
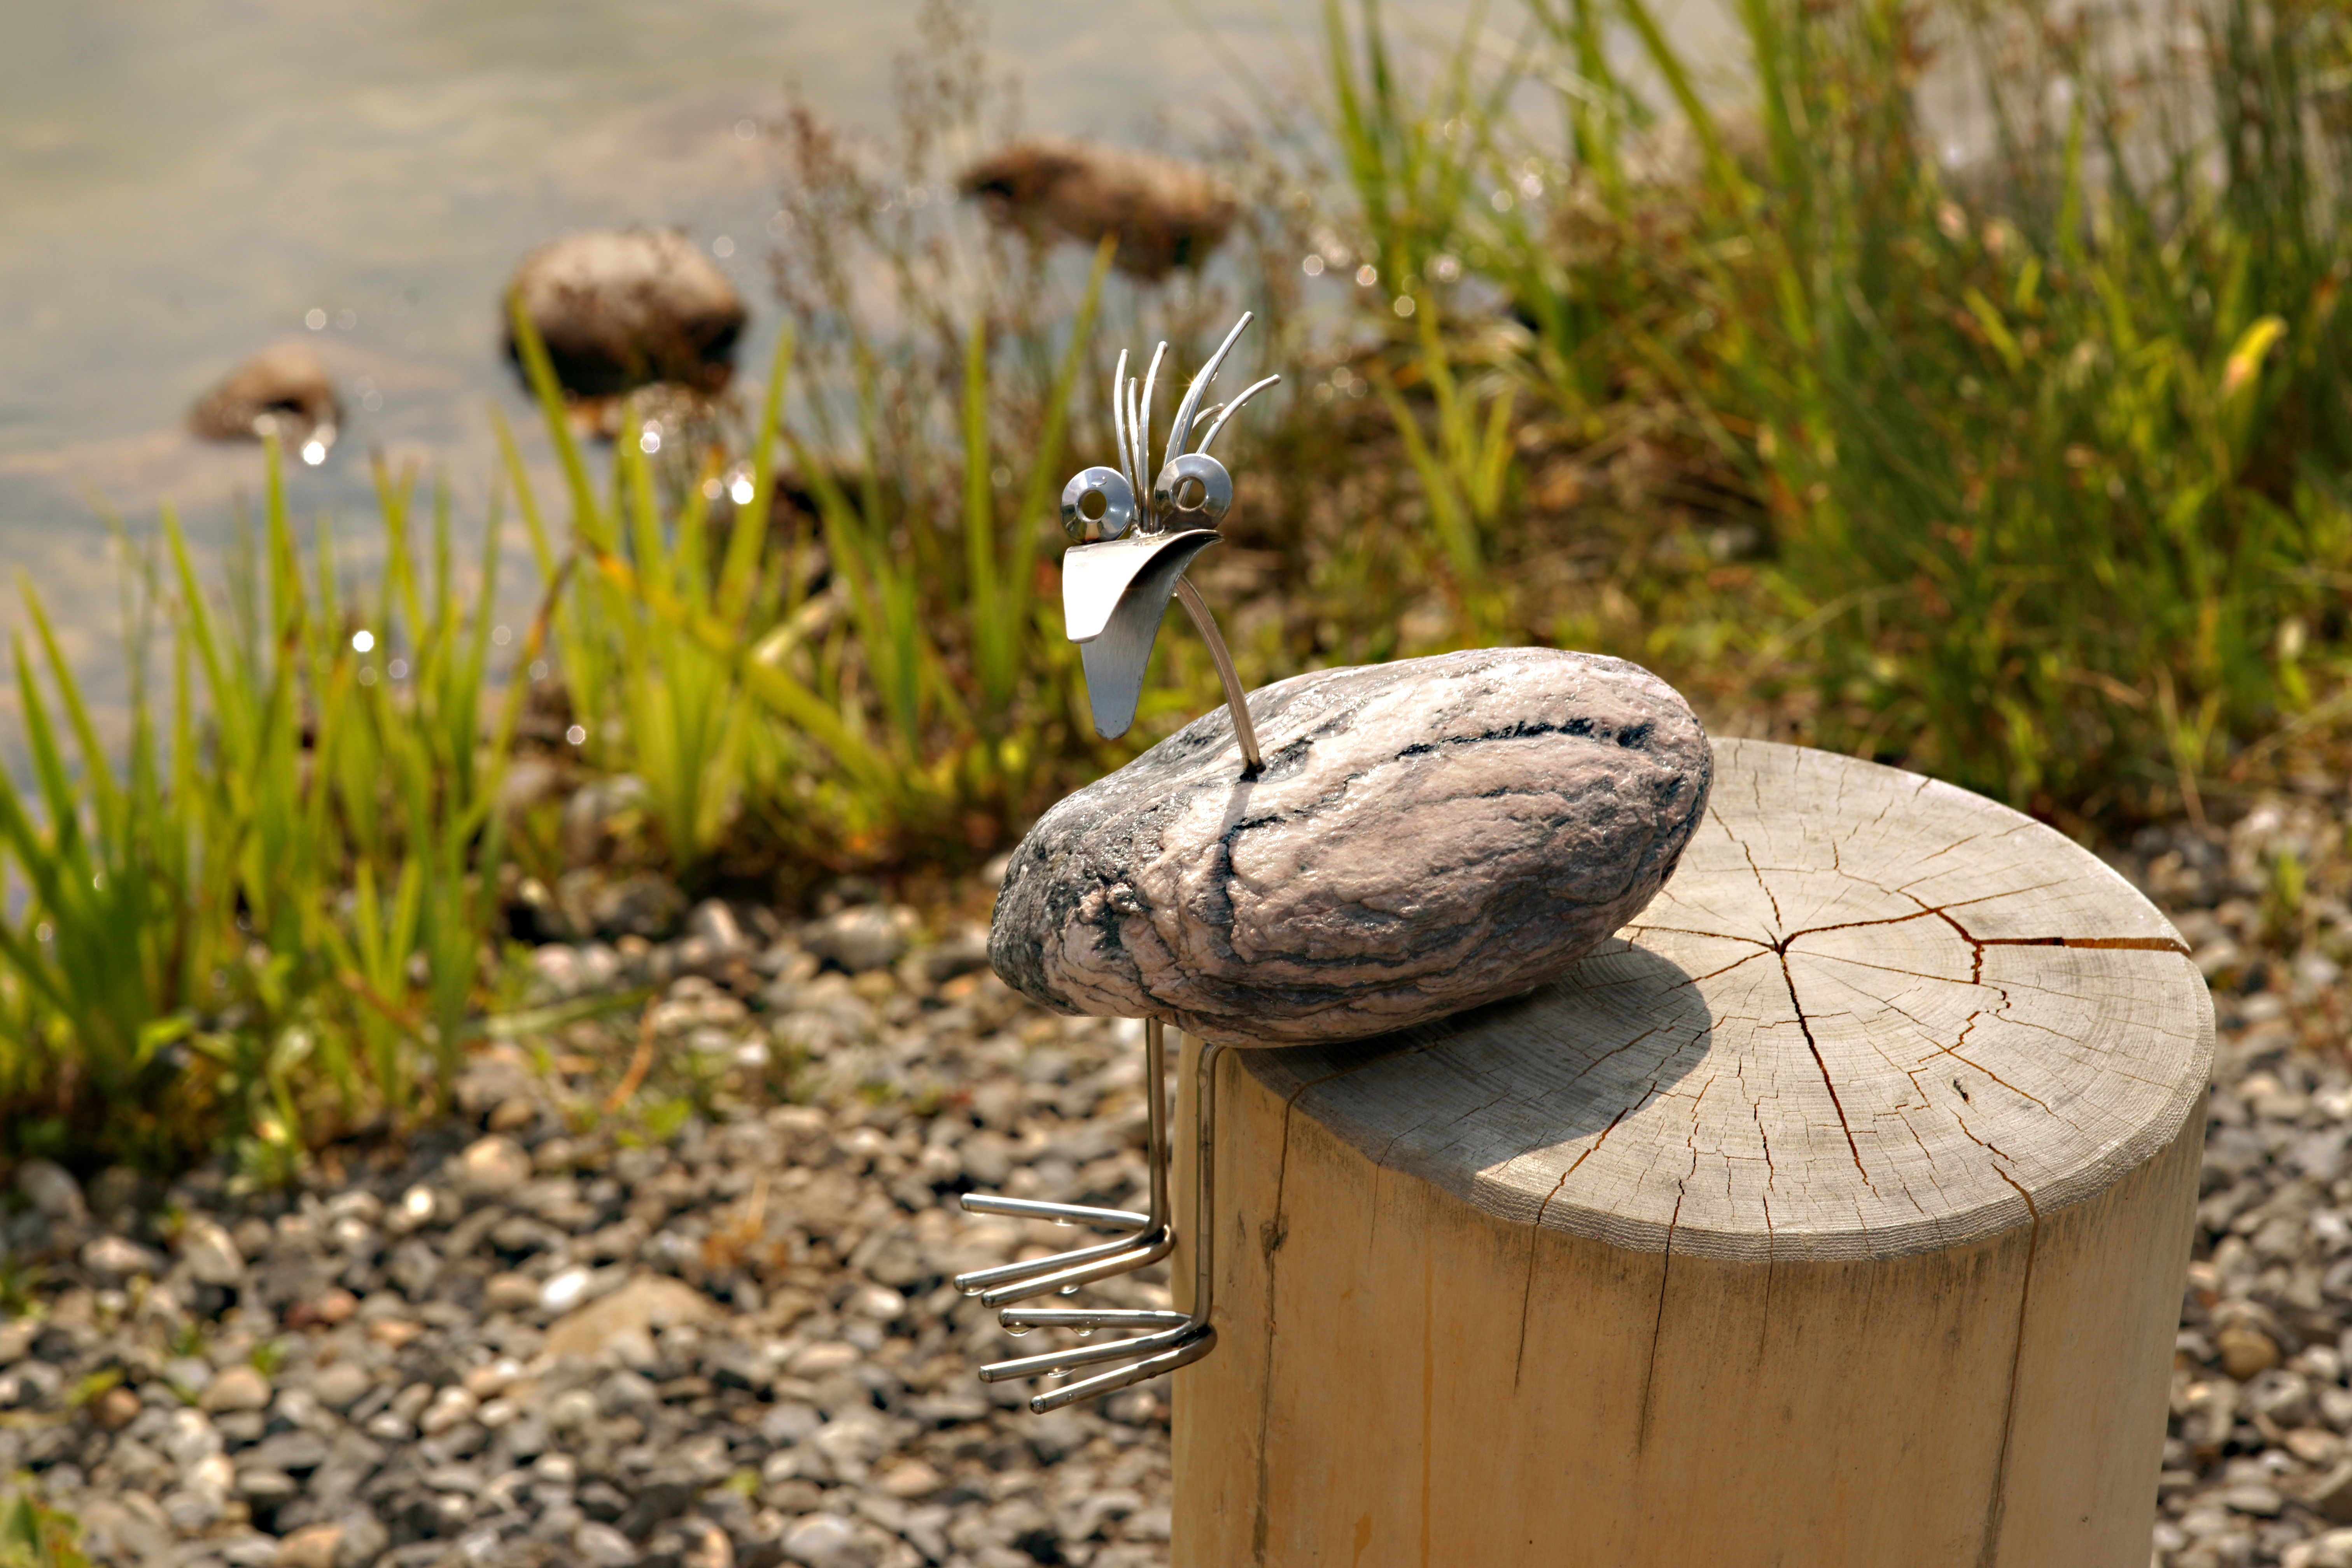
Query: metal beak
x,y
1113,595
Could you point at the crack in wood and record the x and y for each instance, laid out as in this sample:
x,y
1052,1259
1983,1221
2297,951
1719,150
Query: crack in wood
x,y
1811,1045
1771,1238
1997,1505
1942,911
1619,1051
1657,1326
2109,943
1666,1270
1753,869
1984,1144
1977,947
1938,854
1518,1360
1967,1027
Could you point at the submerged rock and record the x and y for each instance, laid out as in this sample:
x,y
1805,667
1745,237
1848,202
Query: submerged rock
x,y
1426,837
625,310
285,392
1166,214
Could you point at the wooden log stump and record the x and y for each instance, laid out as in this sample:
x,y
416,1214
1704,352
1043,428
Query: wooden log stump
x,y
1834,1213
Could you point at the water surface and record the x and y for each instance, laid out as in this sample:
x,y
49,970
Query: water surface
x,y
184,185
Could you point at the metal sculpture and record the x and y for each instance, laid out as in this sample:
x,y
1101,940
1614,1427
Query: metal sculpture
x,y
1126,560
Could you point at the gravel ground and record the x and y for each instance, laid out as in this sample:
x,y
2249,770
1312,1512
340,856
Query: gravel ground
x,y
716,1330
518,1339
2258,1457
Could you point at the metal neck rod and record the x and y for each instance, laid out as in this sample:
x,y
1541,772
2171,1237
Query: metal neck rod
x,y
1235,700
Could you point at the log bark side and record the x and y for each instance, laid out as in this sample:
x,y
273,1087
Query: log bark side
x,y
1834,1213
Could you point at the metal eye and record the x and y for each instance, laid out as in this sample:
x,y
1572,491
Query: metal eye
x,y
1117,504
1194,490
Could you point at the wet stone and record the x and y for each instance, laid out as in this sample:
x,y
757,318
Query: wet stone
x,y
621,309
1166,214
284,392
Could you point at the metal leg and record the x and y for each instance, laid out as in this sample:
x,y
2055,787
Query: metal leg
x,y
1148,1236
1182,1338
1113,609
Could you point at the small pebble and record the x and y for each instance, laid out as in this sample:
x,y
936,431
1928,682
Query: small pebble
x,y
210,1254
821,1540
116,1408
510,1293
315,1547
574,1410
449,1407
492,1167
565,1290
2246,1352
493,1378
50,1188
339,1384
912,1480
600,1544
416,1209
394,1333
237,1388
114,1260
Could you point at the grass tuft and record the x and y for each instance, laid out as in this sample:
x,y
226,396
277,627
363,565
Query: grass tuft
x,y
2033,479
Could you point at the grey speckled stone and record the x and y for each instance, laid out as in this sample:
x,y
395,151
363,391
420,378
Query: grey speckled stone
x,y
1427,835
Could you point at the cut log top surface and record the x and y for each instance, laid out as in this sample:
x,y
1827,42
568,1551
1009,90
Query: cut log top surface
x,y
1871,1014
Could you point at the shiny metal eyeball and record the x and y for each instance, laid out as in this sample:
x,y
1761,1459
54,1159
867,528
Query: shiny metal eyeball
x,y
1193,492
1118,508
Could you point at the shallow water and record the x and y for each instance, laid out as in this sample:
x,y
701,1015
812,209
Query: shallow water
x,y
183,186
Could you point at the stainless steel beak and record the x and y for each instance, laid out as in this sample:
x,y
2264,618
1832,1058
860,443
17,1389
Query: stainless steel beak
x,y
1113,595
